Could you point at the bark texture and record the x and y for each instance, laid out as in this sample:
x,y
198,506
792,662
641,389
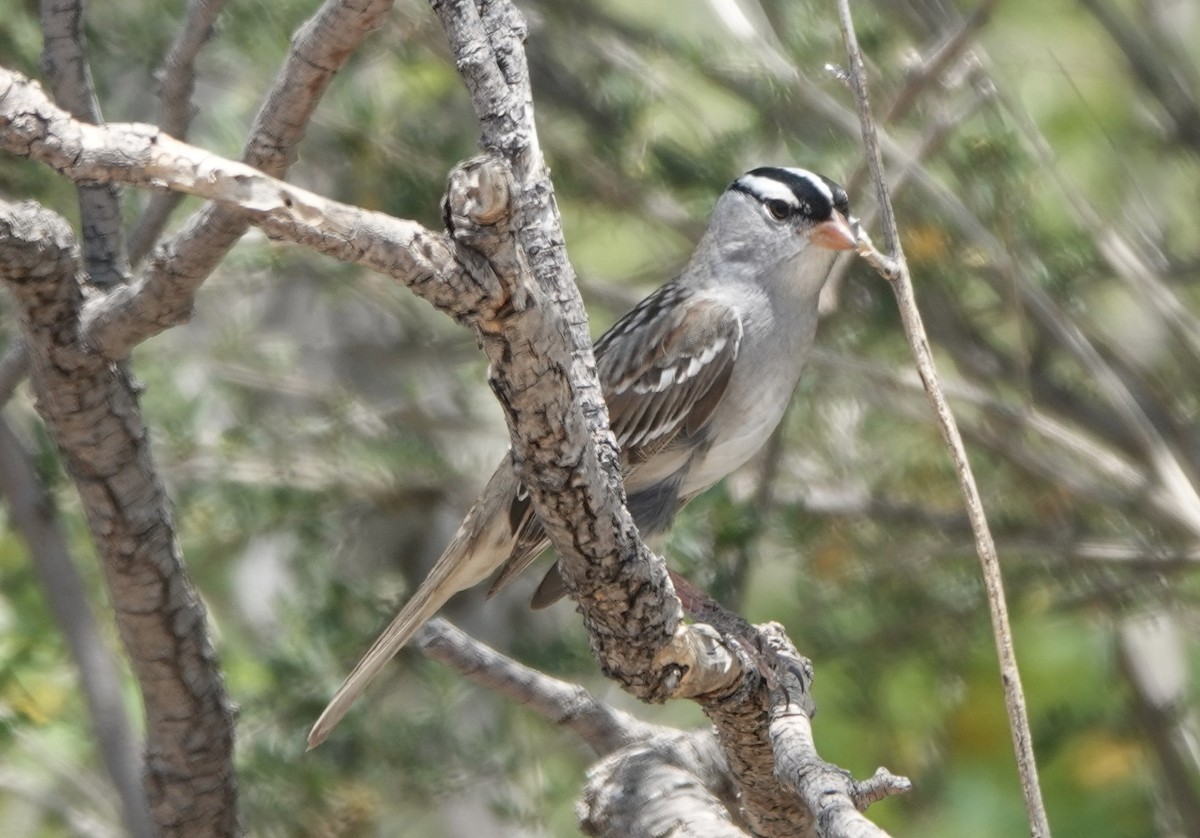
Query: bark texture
x,y
33,515
90,408
503,270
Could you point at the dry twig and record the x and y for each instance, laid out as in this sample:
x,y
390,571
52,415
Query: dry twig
x,y
894,268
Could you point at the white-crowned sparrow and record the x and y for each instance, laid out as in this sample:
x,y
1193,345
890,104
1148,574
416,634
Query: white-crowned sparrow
x,y
696,378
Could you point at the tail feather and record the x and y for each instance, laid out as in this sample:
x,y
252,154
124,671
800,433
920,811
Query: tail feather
x,y
431,596
482,543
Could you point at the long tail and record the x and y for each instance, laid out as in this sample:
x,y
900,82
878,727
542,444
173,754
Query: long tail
x,y
482,543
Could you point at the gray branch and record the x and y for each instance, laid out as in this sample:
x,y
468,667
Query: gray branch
x,y
568,461
505,273
176,81
64,60
33,516
652,779
163,295
91,411
604,728
834,797
670,783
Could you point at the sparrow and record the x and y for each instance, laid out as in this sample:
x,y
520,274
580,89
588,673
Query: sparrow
x,y
696,378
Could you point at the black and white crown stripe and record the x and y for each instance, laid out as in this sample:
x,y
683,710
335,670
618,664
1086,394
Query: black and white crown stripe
x,y
810,194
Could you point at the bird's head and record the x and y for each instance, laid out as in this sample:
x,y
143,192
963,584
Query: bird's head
x,y
782,222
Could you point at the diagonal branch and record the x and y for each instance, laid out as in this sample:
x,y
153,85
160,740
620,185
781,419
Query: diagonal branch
x,y
1168,74
176,81
604,728
629,610
632,613
895,268
164,293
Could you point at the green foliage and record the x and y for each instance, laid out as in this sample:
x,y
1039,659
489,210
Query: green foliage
x,y
321,432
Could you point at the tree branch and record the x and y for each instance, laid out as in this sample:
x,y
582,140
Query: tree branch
x,y
653,777
176,81
1166,73
672,783
33,516
895,268
64,60
90,408
567,705
543,370
164,293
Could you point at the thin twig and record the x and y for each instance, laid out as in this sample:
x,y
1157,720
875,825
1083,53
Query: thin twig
x,y
64,59
901,283
32,515
176,81
603,727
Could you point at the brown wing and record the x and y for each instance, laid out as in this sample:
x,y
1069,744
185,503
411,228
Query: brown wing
x,y
530,541
664,368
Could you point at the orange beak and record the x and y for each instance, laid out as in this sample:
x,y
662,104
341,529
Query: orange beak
x,y
835,234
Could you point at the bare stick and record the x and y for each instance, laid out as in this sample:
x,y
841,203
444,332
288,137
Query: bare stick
x,y
603,727
895,269
176,81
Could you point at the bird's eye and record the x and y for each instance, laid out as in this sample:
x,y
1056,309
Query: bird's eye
x,y
779,209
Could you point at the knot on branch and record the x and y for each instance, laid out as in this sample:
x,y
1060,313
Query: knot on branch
x,y
881,784
478,213
478,193
39,261
885,266
38,243
697,662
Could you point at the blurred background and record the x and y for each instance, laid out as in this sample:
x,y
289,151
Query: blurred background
x,y
322,431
